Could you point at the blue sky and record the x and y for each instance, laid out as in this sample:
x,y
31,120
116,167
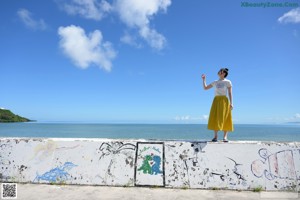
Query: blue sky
x,y
141,60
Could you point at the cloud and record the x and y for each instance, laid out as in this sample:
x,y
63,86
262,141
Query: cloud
x,y
182,118
130,40
154,39
27,19
137,14
189,118
90,9
293,16
205,117
297,116
85,50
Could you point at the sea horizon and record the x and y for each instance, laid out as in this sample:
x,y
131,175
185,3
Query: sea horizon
x,y
145,122
285,132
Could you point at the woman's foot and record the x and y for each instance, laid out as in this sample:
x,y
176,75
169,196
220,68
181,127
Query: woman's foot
x,y
214,140
225,140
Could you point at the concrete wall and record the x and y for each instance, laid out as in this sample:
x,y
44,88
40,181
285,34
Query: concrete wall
x,y
179,164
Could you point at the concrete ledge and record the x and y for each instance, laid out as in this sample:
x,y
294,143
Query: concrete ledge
x,y
237,165
75,192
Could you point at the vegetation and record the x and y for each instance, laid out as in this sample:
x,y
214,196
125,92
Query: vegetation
x,y
257,189
184,187
8,116
58,182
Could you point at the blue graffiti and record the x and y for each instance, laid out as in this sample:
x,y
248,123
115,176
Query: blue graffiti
x,y
156,167
56,174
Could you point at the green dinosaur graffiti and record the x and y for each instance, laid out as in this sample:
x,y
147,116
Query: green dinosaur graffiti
x,y
146,167
151,165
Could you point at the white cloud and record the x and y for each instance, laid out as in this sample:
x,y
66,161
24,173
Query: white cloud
x,y
154,39
29,21
297,116
293,16
85,50
130,40
182,118
189,118
137,14
90,9
205,117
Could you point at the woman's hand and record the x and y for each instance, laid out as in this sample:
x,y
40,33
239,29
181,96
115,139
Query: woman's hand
x,y
231,106
204,83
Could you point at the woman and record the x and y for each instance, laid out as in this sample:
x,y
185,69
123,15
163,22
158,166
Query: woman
x,y
220,118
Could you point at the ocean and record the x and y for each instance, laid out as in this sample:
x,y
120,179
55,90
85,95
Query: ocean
x,y
244,132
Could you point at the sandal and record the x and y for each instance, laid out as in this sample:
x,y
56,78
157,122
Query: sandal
x,y
225,140
214,140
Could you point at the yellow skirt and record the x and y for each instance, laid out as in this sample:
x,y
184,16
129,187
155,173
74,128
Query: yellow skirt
x,y
220,115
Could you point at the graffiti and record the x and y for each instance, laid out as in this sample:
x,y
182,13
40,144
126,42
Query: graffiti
x,y
146,167
156,165
58,174
5,162
232,175
4,157
199,146
43,151
235,170
194,167
113,150
172,164
151,165
275,165
149,148
185,161
184,158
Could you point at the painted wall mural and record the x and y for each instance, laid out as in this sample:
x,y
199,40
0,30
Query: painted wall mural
x,y
278,165
59,174
149,164
116,163
280,168
174,164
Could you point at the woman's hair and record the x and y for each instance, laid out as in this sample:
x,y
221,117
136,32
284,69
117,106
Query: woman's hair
x,y
225,70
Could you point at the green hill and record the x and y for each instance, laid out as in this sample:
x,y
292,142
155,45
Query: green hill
x,y
8,116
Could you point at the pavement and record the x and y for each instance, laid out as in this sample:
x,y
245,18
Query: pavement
x,y
80,192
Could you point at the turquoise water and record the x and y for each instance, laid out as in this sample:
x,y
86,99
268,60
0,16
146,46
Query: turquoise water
x,y
287,132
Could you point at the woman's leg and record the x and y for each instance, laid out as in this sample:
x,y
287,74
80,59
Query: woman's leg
x,y
216,134
225,135
215,139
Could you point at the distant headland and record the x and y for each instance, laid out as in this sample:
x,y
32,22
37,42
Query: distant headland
x,y
7,116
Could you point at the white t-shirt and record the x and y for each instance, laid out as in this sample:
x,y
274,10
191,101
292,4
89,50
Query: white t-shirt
x,y
221,87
